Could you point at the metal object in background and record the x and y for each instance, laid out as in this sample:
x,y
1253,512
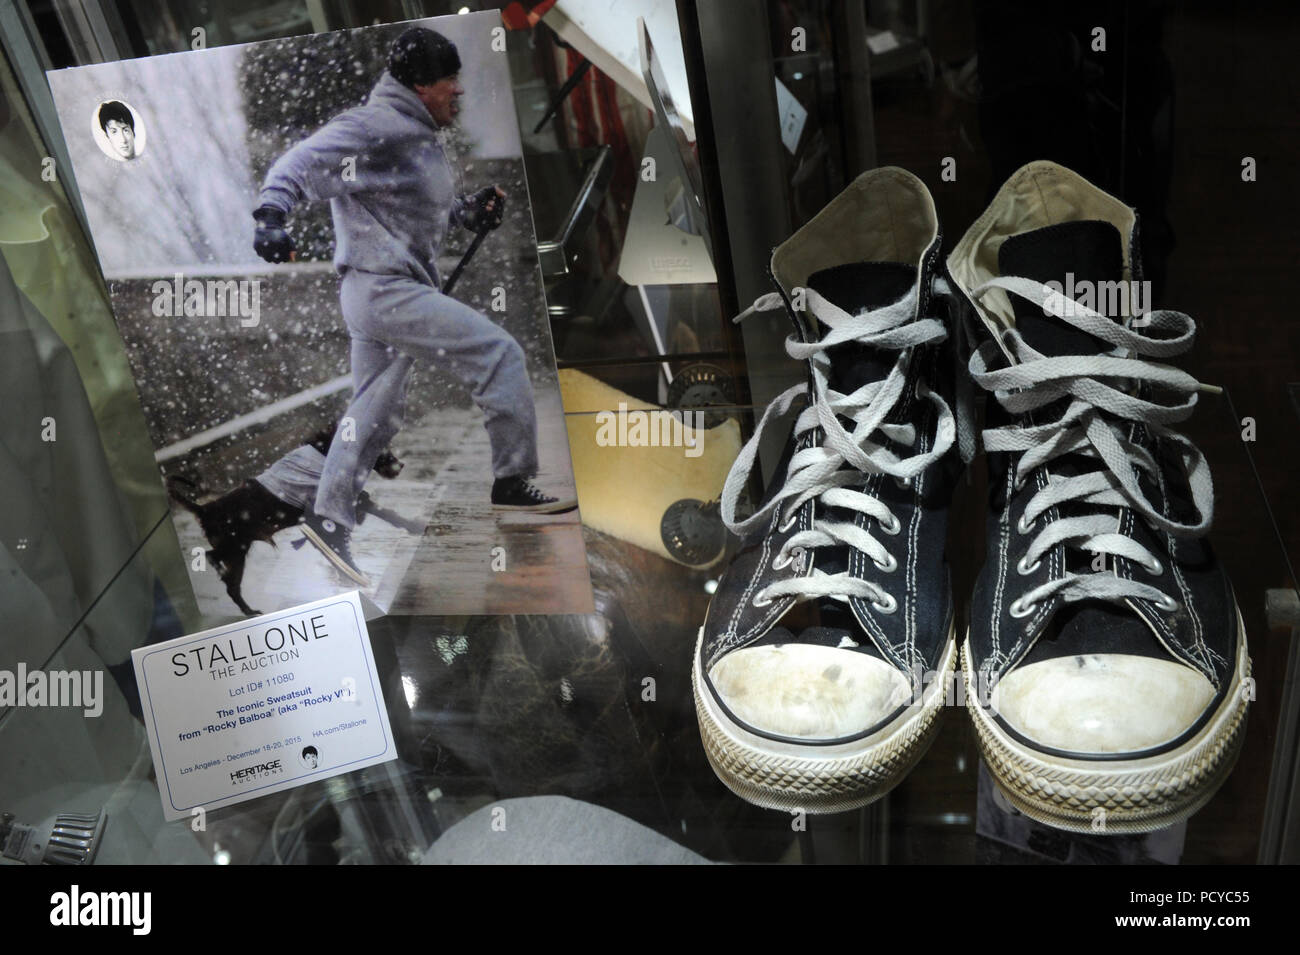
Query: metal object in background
x,y
554,253
67,838
668,240
562,94
656,251
702,385
689,195
693,533
728,50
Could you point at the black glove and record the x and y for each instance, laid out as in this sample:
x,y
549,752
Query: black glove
x,y
270,240
481,216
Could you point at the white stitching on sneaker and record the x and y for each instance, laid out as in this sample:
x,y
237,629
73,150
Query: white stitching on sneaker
x,y
1164,634
1000,590
753,581
1055,566
910,595
1198,629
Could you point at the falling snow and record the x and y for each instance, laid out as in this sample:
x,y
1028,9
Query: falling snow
x,y
215,123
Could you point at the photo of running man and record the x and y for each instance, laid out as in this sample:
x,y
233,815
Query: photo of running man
x,y
392,192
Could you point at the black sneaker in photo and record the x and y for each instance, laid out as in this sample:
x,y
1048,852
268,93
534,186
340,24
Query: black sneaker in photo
x,y
335,542
520,494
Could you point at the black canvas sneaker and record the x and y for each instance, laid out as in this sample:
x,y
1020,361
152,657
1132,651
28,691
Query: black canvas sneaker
x,y
820,670
335,542
519,494
1106,660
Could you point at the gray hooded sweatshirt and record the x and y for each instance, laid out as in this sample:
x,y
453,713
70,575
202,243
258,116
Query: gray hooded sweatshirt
x,y
391,187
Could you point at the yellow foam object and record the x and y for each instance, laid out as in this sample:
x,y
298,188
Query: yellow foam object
x,y
624,490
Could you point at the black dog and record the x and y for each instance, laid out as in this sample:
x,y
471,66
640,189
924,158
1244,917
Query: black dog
x,y
250,512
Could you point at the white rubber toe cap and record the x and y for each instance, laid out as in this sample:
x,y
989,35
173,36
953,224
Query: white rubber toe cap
x,y
1102,703
808,692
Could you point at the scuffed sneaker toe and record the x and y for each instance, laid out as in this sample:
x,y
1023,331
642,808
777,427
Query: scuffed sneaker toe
x,y
808,692
1102,704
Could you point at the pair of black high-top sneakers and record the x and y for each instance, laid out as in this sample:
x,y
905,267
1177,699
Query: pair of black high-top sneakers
x,y
1104,665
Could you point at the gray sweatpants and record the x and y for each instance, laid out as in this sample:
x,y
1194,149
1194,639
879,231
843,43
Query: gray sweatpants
x,y
395,321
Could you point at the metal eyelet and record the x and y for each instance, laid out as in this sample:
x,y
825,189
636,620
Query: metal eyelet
x,y
893,527
1023,526
888,605
789,522
785,559
1166,603
759,600
889,566
1155,568
904,484
1018,610
1025,569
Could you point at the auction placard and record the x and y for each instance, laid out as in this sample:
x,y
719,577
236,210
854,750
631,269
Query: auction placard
x,y
262,706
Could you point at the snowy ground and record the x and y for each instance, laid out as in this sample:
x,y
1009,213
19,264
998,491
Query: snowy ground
x,y
449,570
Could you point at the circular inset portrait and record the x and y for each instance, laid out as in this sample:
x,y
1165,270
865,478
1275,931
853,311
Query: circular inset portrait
x,y
310,758
118,130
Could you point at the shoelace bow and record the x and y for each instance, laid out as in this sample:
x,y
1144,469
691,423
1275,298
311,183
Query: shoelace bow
x,y
1090,426
818,471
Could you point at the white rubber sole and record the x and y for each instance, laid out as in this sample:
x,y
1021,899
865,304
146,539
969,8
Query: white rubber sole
x,y
335,559
1115,797
819,779
559,507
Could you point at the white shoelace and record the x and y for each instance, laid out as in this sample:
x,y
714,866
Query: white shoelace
x,y
1093,425
818,472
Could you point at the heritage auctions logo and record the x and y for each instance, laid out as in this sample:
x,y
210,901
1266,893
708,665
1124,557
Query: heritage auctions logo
x,y
55,688
255,772
209,298
75,908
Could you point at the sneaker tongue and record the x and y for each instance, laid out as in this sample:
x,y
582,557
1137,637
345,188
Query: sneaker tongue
x,y
855,287
1070,253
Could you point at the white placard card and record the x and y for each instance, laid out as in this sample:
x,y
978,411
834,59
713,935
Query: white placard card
x,y
262,706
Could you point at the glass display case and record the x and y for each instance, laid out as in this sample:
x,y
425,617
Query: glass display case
x,y
582,728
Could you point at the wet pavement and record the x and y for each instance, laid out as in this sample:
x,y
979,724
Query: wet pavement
x,y
469,560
